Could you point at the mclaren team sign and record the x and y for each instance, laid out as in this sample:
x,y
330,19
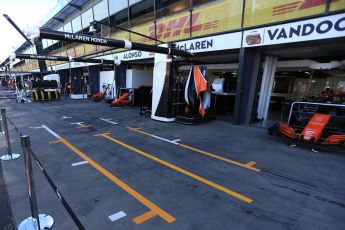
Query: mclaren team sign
x,y
307,30
213,43
207,44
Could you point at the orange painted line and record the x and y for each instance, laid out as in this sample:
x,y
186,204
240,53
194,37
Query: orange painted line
x,y
53,142
250,163
178,169
83,126
220,158
149,204
100,134
246,166
144,217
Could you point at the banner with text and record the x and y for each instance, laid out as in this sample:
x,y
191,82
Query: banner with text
x,y
306,30
207,44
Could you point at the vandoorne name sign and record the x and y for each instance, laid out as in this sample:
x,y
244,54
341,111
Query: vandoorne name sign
x,y
314,29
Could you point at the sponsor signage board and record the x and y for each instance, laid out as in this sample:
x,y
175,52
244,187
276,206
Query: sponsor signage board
x,y
207,44
260,12
133,55
212,43
73,65
306,30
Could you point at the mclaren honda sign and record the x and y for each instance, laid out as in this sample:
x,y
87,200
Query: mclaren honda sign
x,y
307,30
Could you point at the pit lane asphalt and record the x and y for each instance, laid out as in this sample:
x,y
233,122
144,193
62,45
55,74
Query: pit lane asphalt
x,y
295,189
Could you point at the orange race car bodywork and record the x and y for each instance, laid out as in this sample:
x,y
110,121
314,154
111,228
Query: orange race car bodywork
x,y
314,132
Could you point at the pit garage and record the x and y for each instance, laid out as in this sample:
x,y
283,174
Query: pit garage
x,y
311,72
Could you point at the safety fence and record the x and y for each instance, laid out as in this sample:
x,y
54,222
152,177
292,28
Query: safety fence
x,y
36,221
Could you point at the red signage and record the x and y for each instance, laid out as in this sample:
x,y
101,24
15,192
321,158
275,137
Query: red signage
x,y
179,26
298,5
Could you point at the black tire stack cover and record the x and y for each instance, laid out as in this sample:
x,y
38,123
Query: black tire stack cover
x,y
45,95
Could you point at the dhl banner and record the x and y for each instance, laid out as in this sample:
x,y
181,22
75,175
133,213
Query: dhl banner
x,y
306,30
225,15
214,17
260,12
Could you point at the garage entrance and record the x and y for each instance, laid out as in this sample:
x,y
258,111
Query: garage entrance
x,y
300,72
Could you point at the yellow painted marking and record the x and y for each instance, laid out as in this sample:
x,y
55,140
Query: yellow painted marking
x,y
83,126
133,128
250,163
220,158
194,176
53,142
101,134
247,166
149,204
144,217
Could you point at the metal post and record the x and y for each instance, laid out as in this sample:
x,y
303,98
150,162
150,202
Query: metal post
x,y
70,72
9,155
1,127
35,221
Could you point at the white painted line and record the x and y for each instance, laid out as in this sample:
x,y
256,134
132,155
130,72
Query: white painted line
x,y
108,120
51,131
77,123
176,141
39,127
117,216
64,117
166,140
79,163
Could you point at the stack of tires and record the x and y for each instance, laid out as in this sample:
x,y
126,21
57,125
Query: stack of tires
x,y
45,90
45,95
46,84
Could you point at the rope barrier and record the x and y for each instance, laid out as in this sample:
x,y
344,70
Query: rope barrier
x,y
58,193
15,127
50,181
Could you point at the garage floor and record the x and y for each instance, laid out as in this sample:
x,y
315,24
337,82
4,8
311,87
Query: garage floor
x,y
119,170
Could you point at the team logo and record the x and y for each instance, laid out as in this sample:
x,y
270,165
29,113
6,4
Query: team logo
x,y
253,38
176,27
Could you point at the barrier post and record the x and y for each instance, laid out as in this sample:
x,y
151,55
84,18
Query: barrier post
x,y
9,155
1,127
35,221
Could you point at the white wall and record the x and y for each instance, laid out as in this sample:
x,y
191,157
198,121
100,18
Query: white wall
x,y
136,78
105,78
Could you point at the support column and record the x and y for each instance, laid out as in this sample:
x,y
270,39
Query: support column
x,y
94,79
266,87
246,88
41,63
